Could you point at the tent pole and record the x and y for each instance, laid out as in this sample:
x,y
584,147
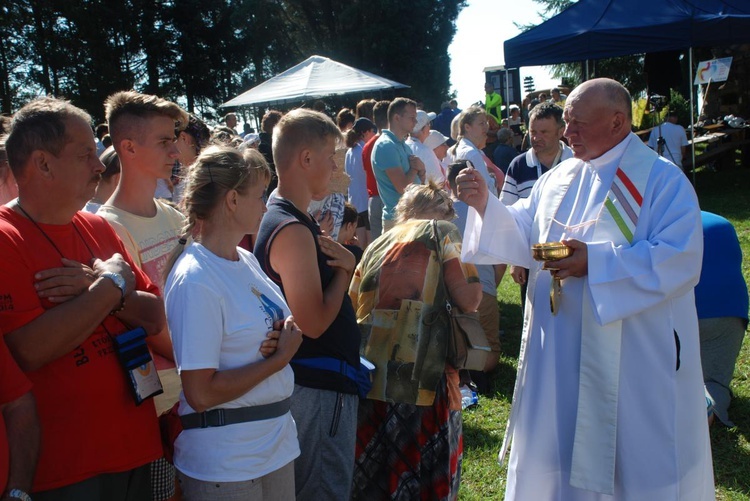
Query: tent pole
x,y
692,114
507,99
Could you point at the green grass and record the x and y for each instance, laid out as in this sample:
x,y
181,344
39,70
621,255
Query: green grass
x,y
726,193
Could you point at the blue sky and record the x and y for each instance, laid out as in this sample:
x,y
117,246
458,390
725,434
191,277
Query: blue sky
x,y
482,27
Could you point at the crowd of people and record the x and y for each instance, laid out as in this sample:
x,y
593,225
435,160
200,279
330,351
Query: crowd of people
x,y
192,313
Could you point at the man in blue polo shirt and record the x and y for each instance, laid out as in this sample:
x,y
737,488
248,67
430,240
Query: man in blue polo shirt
x,y
394,165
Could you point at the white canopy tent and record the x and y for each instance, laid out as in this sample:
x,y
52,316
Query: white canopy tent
x,y
313,78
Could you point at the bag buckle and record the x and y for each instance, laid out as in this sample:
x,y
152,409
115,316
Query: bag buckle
x,y
215,417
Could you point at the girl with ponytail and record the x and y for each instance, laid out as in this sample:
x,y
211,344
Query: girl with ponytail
x,y
233,338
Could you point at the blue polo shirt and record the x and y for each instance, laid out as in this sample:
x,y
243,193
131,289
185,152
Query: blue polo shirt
x,y
388,152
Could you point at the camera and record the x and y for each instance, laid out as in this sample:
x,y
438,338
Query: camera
x,y
657,101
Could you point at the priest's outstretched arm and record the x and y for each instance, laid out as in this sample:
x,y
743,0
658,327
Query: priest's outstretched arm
x,y
495,234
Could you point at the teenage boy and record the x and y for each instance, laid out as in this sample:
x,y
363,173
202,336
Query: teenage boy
x,y
314,273
143,134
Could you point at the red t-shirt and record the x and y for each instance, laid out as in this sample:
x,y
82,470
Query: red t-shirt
x,y
372,184
90,423
13,385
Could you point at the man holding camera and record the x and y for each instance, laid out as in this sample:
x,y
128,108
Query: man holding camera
x,y
69,289
672,139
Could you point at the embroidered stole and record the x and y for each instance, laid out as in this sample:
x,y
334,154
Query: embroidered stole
x,y
594,445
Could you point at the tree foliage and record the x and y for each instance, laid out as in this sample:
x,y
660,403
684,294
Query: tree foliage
x,y
204,53
628,70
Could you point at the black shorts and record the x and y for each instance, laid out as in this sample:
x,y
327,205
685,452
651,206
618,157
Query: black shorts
x,y
363,220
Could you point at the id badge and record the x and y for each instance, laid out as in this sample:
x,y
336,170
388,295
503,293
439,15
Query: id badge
x,y
139,367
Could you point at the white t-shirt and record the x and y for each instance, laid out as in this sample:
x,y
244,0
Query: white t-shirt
x,y
433,169
465,150
219,312
674,139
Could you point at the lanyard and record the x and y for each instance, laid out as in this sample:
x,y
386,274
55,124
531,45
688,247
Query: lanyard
x,y
52,243
44,234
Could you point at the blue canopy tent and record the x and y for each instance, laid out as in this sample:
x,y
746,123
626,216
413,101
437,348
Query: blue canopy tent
x,y
595,29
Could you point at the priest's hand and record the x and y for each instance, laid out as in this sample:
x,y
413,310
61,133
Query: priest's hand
x,y
472,189
576,265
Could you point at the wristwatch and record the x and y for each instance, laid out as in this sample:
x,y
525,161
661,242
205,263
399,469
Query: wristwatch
x,y
117,279
19,494
120,283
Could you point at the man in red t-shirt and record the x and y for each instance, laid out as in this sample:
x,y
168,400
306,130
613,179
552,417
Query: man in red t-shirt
x,y
19,429
375,204
69,289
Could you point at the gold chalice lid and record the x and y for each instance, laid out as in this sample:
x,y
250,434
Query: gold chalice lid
x,y
550,251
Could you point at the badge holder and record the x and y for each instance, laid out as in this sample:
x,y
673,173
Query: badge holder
x,y
139,367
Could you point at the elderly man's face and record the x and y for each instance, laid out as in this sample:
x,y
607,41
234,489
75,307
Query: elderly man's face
x,y
77,169
589,126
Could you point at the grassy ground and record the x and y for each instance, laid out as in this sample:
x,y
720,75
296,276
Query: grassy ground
x,y
726,193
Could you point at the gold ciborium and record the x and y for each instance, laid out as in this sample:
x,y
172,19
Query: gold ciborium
x,y
550,252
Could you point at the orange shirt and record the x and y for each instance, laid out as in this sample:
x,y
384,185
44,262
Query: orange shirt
x,y
90,423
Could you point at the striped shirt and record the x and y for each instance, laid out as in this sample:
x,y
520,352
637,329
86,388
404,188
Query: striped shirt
x,y
523,172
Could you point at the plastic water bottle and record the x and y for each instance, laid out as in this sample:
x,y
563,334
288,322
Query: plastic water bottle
x,y
468,397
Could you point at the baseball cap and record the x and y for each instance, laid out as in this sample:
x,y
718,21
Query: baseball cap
x,y
435,139
363,124
423,118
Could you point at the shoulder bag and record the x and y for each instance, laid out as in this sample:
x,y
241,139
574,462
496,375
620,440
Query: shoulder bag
x,y
467,343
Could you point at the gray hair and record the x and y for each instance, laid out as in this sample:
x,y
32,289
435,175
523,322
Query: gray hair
x,y
40,125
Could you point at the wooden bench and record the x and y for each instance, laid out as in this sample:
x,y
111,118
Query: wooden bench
x,y
725,154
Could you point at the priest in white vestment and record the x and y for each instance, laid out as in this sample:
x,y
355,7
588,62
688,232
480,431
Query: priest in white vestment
x,y
609,401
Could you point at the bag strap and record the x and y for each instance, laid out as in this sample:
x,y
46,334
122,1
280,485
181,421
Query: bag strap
x,y
223,417
439,254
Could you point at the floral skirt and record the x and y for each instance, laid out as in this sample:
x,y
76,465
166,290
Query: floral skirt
x,y
408,452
